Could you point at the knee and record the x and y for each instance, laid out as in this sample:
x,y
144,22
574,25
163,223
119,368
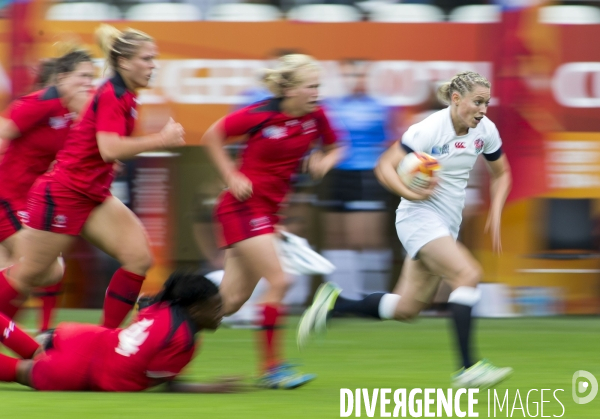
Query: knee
x,y
52,276
281,284
137,260
405,316
469,276
232,303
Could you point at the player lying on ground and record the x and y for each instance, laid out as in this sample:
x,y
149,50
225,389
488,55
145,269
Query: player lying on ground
x,y
151,351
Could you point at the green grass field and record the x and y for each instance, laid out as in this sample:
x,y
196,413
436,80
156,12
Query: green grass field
x,y
544,352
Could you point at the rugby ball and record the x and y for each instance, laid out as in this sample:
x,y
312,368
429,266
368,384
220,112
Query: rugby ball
x,y
416,169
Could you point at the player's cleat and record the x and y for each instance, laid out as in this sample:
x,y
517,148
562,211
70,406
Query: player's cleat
x,y
284,376
314,319
481,375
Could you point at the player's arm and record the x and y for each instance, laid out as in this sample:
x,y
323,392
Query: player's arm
x,y
500,185
386,172
214,138
322,161
224,385
113,147
8,130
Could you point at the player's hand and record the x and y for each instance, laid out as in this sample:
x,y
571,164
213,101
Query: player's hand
x,y
422,193
239,186
315,165
492,225
231,385
172,135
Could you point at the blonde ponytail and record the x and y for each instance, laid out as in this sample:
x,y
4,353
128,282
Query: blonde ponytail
x,y
285,75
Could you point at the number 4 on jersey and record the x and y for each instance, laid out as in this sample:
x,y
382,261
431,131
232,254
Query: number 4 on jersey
x,y
133,337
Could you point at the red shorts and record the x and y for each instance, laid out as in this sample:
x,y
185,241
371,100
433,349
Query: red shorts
x,y
10,219
53,207
67,365
243,224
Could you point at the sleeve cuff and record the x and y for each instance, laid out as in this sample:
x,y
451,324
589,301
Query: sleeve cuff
x,y
493,156
406,148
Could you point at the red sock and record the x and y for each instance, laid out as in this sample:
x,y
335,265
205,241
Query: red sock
x,y
8,368
49,296
10,299
121,296
15,339
270,336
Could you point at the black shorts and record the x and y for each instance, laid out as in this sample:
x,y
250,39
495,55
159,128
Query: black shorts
x,y
353,190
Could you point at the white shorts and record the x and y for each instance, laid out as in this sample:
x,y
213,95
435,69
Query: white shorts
x,y
417,227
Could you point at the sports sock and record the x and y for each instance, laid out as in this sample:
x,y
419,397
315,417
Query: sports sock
x,y
10,299
16,339
270,336
461,302
49,296
121,295
8,368
379,305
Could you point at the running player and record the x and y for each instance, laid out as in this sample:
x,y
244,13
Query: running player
x,y
428,221
154,349
280,131
36,127
74,198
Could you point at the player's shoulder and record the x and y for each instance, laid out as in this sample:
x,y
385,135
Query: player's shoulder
x,y
435,123
488,128
42,97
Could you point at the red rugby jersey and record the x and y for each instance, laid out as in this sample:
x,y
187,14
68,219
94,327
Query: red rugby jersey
x,y
274,148
156,346
79,164
44,123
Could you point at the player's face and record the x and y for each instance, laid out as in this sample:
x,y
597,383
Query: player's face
x,y
472,107
210,314
304,97
138,69
355,78
76,86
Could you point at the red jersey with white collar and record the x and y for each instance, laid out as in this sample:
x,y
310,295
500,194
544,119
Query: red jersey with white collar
x,y
44,123
274,148
79,165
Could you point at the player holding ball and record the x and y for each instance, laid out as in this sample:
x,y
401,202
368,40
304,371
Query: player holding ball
x,y
428,221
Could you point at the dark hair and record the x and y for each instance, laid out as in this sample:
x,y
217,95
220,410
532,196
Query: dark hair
x,y
186,289
44,73
69,61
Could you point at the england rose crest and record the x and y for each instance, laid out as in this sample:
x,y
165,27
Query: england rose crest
x,y
478,145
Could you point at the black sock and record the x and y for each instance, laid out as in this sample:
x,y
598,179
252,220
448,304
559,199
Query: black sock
x,y
461,314
367,307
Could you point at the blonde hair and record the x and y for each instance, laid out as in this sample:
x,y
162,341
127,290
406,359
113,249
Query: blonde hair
x,y
462,83
117,44
285,75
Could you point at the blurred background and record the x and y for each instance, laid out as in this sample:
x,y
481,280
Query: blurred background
x,y
382,62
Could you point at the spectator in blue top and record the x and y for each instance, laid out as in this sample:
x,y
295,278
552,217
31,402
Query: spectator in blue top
x,y
356,225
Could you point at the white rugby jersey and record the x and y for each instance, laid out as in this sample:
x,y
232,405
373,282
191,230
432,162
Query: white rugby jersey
x,y
435,135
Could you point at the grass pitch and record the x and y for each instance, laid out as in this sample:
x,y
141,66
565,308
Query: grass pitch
x,y
544,352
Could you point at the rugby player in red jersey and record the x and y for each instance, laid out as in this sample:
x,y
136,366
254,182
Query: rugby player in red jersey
x,y
279,132
35,128
74,198
154,349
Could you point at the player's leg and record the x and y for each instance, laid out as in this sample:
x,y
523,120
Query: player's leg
x,y
248,261
115,229
16,339
48,295
36,254
414,291
448,258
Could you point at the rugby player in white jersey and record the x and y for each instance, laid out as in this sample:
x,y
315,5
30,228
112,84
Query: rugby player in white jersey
x,y
428,222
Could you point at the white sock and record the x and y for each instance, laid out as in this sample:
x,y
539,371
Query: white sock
x,y
387,306
466,296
